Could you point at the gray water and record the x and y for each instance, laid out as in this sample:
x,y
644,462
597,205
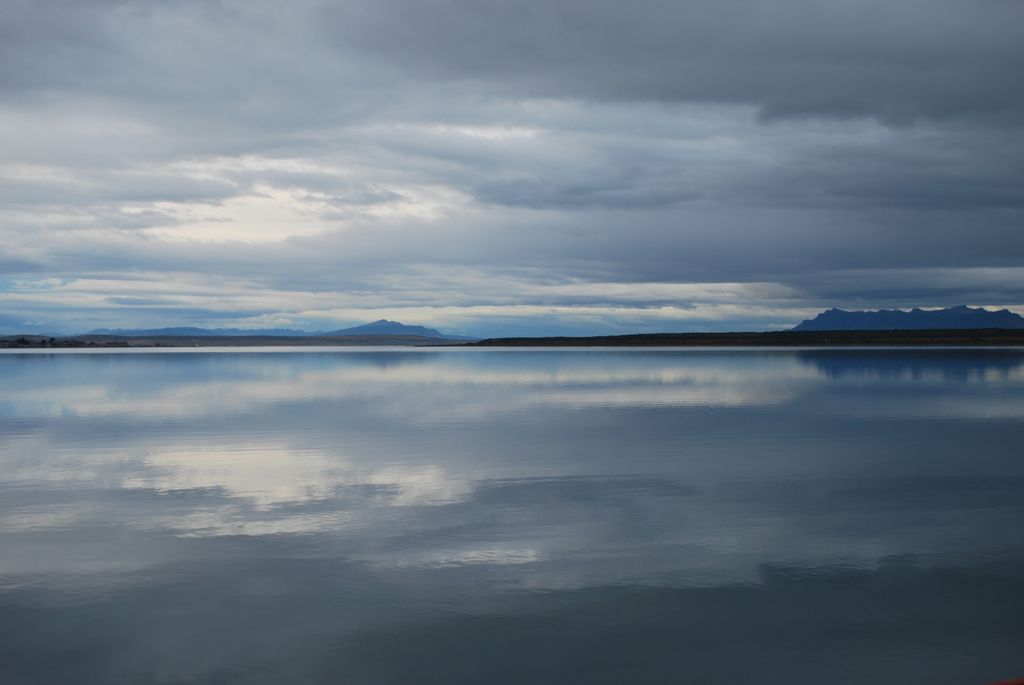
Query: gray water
x,y
503,516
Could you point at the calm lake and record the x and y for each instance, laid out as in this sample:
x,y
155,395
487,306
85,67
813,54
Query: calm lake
x,y
379,516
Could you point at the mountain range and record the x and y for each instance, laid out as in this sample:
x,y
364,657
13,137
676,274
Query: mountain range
x,y
381,327
951,318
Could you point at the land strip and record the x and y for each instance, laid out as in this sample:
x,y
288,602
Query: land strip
x,y
986,337
979,337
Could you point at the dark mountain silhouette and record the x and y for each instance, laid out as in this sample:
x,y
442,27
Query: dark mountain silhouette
x,y
385,327
961,317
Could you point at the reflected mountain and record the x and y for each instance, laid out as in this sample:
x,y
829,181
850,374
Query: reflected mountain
x,y
917,364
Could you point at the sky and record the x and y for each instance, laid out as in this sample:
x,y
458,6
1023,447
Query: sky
x,y
506,168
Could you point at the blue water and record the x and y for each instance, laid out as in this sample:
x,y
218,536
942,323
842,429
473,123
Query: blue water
x,y
503,516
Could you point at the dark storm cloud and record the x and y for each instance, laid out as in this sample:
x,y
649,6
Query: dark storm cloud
x,y
790,58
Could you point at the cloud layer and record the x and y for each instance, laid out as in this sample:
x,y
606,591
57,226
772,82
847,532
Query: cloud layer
x,y
496,167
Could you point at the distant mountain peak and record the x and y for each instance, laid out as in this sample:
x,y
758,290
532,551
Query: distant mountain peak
x,y
958,317
388,327
385,327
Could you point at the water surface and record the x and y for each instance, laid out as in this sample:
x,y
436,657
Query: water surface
x,y
512,516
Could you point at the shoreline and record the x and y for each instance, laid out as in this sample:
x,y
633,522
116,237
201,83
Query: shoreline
x,y
917,338
947,338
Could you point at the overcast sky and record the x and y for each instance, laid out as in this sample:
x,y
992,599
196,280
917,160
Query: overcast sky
x,y
506,167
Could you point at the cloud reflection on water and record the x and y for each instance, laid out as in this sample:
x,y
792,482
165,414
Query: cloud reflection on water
x,y
407,482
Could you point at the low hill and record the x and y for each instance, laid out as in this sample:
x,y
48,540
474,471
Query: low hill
x,y
952,318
